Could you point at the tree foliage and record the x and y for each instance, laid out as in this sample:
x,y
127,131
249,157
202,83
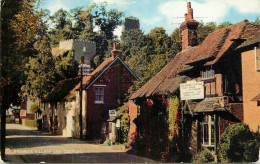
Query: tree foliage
x,y
19,27
238,144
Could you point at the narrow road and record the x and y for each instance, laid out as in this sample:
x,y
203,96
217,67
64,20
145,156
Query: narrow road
x,y
34,147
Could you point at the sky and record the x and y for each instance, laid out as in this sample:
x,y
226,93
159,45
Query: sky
x,y
169,14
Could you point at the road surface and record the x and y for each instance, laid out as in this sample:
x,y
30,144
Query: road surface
x,y
28,145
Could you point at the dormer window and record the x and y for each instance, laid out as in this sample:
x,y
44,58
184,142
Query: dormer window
x,y
207,74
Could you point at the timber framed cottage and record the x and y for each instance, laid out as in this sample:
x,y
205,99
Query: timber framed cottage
x,y
220,63
102,89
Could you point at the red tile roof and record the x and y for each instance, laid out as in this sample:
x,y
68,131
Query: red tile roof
x,y
88,79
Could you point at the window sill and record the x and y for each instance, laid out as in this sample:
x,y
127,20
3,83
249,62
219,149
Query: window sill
x,y
99,102
208,78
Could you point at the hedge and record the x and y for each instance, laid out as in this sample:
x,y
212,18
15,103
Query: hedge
x,y
31,123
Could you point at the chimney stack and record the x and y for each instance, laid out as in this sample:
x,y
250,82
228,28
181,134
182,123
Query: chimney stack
x,y
116,52
189,29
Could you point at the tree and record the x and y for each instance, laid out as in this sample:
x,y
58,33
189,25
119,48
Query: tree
x,y
65,66
19,26
176,41
62,29
224,24
257,20
40,73
238,144
131,42
204,30
83,26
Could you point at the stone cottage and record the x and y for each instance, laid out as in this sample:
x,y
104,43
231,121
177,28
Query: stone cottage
x,y
216,64
103,89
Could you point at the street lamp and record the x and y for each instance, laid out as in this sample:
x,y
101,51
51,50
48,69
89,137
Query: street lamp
x,y
84,70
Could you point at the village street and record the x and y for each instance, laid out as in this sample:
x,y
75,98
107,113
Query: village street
x,y
28,145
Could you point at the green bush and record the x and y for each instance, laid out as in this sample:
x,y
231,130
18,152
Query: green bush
x,y
125,126
238,144
31,123
203,157
107,142
35,108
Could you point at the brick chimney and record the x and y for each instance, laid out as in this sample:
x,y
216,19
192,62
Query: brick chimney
x,y
189,29
116,52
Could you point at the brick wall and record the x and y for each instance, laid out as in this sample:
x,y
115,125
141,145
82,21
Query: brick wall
x,y
251,88
116,82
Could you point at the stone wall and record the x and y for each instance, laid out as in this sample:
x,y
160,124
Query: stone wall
x,y
130,23
82,48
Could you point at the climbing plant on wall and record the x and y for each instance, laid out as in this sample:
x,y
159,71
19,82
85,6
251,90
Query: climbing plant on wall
x,y
173,120
173,105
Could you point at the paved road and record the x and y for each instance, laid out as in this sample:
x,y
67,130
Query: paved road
x,y
34,147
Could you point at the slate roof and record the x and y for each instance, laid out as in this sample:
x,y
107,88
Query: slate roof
x,y
215,45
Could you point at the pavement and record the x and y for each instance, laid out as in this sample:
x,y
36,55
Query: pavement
x,y
29,145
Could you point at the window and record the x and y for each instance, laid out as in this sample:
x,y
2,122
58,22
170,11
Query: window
x,y
208,74
99,95
258,103
208,130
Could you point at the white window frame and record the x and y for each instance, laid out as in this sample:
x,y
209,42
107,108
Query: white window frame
x,y
208,74
102,99
207,120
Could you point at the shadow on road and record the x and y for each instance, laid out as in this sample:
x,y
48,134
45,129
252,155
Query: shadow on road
x,y
27,142
85,158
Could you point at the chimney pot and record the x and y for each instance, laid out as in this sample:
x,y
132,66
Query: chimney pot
x,y
116,52
188,29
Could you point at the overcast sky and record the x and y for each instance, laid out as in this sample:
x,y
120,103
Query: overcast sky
x,y
169,13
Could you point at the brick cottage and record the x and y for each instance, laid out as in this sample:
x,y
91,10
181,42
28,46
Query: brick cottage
x,y
103,90
218,65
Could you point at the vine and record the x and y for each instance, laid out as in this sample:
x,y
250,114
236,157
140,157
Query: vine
x,y
173,106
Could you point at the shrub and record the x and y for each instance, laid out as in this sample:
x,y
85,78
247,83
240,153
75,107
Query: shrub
x,y
238,144
31,123
125,126
107,142
203,157
35,108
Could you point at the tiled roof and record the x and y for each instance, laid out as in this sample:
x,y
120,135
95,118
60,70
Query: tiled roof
x,y
167,80
216,44
89,78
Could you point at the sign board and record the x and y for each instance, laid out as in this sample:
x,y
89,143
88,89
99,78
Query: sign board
x,y
112,113
118,123
192,90
22,113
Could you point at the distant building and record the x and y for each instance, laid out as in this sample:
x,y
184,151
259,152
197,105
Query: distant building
x,y
130,23
86,49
